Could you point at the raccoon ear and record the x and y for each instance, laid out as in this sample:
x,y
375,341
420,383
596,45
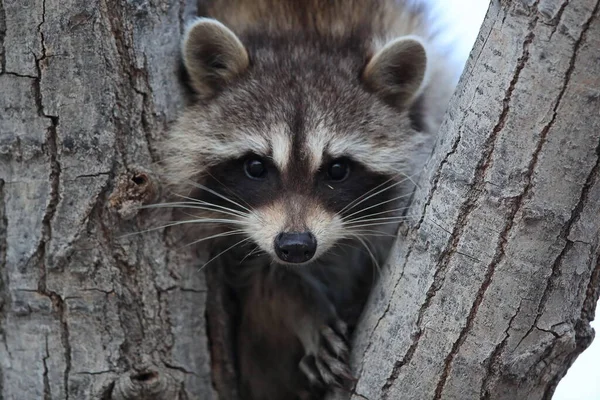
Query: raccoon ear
x,y
212,55
397,71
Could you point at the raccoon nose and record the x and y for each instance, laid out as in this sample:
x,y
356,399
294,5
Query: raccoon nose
x,y
295,247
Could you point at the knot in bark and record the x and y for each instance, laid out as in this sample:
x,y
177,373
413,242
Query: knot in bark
x,y
148,384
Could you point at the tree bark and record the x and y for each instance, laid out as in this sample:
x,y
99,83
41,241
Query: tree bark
x,y
492,286
86,87
489,291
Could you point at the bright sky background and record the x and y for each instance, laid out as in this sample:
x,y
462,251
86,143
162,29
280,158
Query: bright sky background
x,y
464,17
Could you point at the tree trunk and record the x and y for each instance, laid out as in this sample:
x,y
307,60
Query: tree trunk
x,y
85,89
492,287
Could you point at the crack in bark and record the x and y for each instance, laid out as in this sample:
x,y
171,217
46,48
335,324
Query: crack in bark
x,y
436,177
494,360
147,107
113,14
109,371
465,210
556,335
543,359
51,143
592,176
4,295
17,74
180,16
403,361
2,36
469,205
129,107
383,315
575,214
129,334
493,363
556,20
106,292
398,364
54,199
165,320
95,175
592,293
483,46
583,331
361,396
178,368
59,306
130,307
123,39
47,391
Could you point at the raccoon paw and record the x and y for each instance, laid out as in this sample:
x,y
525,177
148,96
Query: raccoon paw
x,y
328,367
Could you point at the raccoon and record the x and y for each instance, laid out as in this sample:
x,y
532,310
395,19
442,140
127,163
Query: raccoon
x,y
295,159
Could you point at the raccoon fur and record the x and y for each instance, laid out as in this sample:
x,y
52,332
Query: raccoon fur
x,y
294,160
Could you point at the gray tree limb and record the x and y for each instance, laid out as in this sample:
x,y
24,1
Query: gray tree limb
x,y
494,283
86,87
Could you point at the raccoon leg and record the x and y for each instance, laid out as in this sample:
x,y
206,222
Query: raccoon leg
x,y
325,362
322,333
291,336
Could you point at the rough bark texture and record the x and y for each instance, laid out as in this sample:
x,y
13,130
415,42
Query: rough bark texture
x,y
85,89
489,293
492,288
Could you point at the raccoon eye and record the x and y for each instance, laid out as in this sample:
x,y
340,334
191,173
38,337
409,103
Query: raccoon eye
x,y
255,168
338,170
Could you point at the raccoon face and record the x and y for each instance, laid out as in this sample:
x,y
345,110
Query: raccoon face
x,y
297,144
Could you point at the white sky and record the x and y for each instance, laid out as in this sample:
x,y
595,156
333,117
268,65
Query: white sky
x,y
582,382
464,17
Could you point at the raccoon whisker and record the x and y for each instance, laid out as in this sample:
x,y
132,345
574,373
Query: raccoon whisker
x,y
379,223
360,239
373,214
376,193
196,207
223,252
368,220
372,233
353,203
218,235
193,221
371,217
209,190
203,202
241,219
345,218
347,245
244,213
369,230
340,248
335,251
228,189
410,178
255,250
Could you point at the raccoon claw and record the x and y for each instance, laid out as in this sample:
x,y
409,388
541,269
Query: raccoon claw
x,y
309,369
335,340
329,367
